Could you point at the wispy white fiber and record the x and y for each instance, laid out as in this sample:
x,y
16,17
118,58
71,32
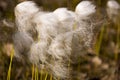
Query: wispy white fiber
x,y
113,4
63,35
22,43
66,17
85,8
61,46
47,25
37,52
59,70
24,13
113,10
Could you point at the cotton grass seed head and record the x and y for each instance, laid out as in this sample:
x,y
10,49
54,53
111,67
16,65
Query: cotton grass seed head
x,y
61,46
66,18
24,13
57,43
37,53
59,70
113,4
47,25
85,8
22,43
64,14
113,10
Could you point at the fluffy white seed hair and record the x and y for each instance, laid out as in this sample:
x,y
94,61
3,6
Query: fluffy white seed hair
x,y
63,14
24,12
58,69
61,46
84,11
64,46
37,53
22,43
47,25
66,17
57,41
85,8
113,4
113,10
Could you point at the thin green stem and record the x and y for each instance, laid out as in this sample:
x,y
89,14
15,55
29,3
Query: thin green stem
x,y
36,73
98,45
51,77
46,76
118,39
9,70
33,70
41,74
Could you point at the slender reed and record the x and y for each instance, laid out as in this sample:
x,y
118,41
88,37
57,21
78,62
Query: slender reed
x,y
118,39
10,65
46,76
98,44
41,74
33,71
36,73
51,77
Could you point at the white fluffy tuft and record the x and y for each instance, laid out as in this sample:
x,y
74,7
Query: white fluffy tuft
x,y
66,18
63,14
57,42
113,10
113,4
46,25
61,46
24,13
22,43
85,8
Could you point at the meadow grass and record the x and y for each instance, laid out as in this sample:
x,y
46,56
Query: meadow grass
x,y
36,73
41,72
118,40
46,76
10,65
33,71
51,77
99,41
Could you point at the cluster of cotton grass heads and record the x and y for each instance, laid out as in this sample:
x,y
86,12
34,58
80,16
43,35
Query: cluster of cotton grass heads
x,y
61,36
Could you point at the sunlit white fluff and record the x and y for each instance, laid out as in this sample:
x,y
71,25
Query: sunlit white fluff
x,y
68,44
61,46
37,53
84,9
47,25
24,13
113,4
63,14
113,10
66,17
57,41
59,70
22,43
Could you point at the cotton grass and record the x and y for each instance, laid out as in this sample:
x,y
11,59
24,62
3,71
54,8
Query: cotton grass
x,y
23,13
57,43
113,10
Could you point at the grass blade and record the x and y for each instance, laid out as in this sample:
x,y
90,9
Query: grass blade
x,y
9,70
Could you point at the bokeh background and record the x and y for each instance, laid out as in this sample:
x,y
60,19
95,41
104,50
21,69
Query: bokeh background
x,y
102,62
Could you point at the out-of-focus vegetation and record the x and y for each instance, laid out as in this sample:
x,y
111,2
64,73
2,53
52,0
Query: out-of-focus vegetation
x,y
102,62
